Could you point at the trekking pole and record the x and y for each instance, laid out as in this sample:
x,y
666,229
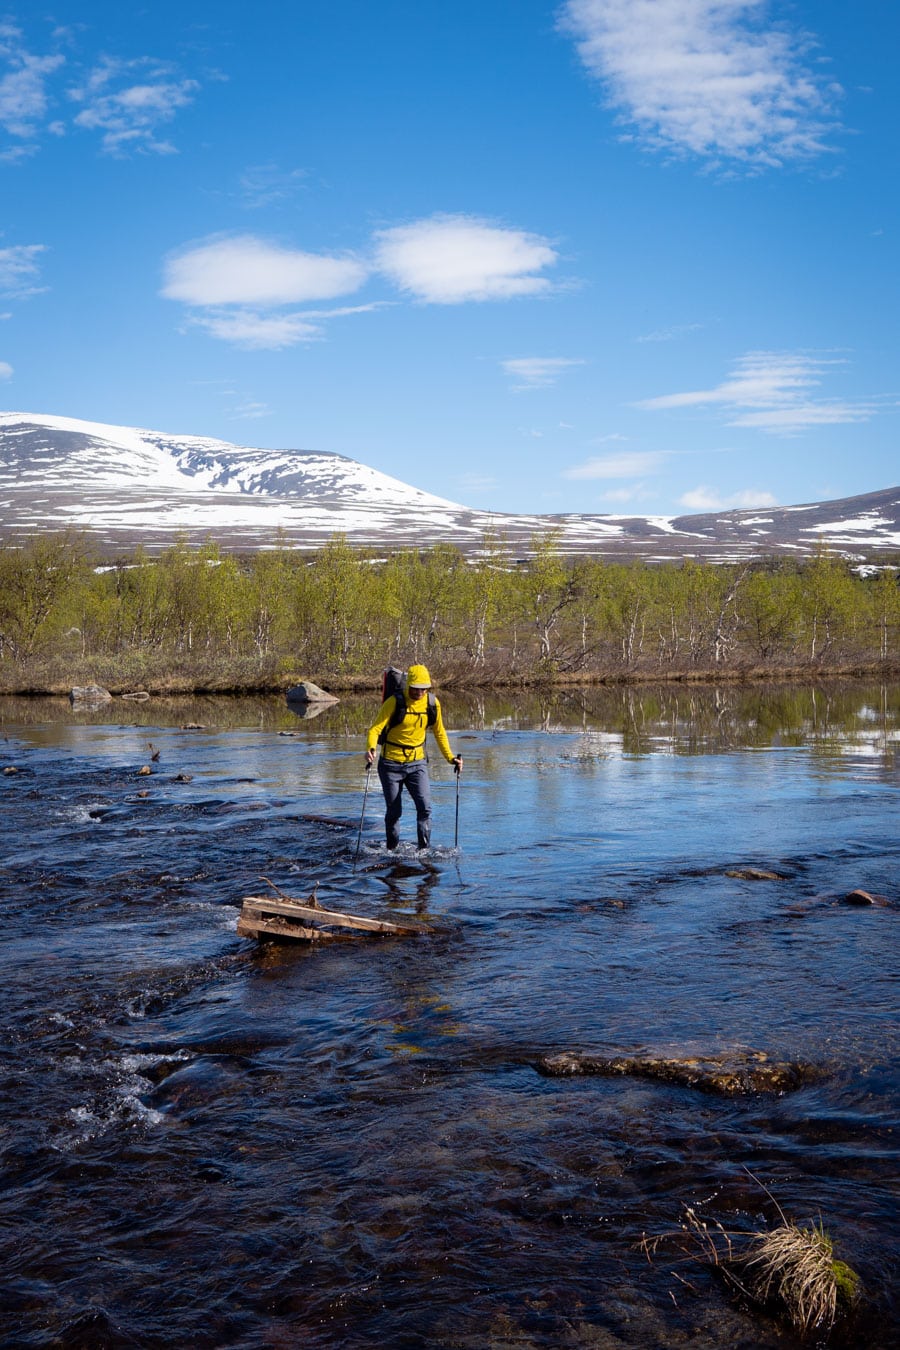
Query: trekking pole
x,y
362,813
456,827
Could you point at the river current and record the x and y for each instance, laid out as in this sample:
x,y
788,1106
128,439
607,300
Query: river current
x,y
208,1142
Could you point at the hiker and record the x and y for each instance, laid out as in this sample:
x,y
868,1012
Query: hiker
x,y
400,729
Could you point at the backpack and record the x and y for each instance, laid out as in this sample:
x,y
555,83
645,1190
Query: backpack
x,y
393,685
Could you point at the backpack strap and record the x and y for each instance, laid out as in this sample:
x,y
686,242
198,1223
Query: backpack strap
x,y
396,716
399,713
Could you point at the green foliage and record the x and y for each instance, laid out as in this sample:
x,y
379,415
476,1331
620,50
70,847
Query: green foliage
x,y
37,589
343,614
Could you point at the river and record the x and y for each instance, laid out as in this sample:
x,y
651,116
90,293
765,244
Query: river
x,y
212,1143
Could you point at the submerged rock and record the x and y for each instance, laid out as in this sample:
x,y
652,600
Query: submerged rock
x,y
753,874
861,897
136,696
89,693
729,1073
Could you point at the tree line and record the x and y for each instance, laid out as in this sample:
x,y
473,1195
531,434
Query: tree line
x,y
198,617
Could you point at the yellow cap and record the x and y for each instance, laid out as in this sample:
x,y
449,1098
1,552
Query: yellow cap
x,y
418,678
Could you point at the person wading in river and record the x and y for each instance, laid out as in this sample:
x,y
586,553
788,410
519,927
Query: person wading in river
x,y
400,729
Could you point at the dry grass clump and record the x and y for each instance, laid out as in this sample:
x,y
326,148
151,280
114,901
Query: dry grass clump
x,y
795,1268
789,1268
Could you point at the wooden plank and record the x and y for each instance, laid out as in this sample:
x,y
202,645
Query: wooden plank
x,y
256,927
299,909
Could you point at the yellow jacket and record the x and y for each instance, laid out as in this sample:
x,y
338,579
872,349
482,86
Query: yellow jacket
x,y
405,742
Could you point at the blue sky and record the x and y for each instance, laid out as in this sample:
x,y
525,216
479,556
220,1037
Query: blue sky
x,y
617,256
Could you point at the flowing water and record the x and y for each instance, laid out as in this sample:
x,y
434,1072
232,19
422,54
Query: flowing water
x,y
208,1142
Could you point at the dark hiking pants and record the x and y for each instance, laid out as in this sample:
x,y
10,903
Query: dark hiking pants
x,y
414,777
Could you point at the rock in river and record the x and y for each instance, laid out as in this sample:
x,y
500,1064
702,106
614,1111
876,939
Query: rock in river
x,y
728,1073
861,897
307,692
88,694
753,874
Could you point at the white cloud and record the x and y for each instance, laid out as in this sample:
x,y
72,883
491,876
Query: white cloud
x,y
447,259
629,464
234,284
537,372
340,311
19,270
800,416
6,370
129,101
23,88
771,391
245,270
703,498
713,78
256,332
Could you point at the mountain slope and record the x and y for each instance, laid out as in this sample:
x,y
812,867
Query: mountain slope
x,y
125,486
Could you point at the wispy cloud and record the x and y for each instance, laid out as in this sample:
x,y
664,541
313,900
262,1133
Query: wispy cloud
x,y
24,99
249,411
678,330
256,332
127,101
447,259
714,78
6,370
708,499
628,464
19,270
130,101
537,372
267,184
773,391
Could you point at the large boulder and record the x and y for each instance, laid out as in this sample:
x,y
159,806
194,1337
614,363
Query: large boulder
x,y
89,695
307,692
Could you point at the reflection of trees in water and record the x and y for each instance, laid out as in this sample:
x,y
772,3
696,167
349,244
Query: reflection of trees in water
x,y
690,718
698,718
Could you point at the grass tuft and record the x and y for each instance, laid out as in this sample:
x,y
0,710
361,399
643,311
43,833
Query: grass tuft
x,y
789,1268
795,1269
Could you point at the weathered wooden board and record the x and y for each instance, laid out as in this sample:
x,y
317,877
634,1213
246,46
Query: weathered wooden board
x,y
252,924
282,916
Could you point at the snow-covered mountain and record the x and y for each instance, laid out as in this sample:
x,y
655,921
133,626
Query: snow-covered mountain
x,y
125,485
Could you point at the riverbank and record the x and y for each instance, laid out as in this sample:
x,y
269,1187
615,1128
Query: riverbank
x,y
241,678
